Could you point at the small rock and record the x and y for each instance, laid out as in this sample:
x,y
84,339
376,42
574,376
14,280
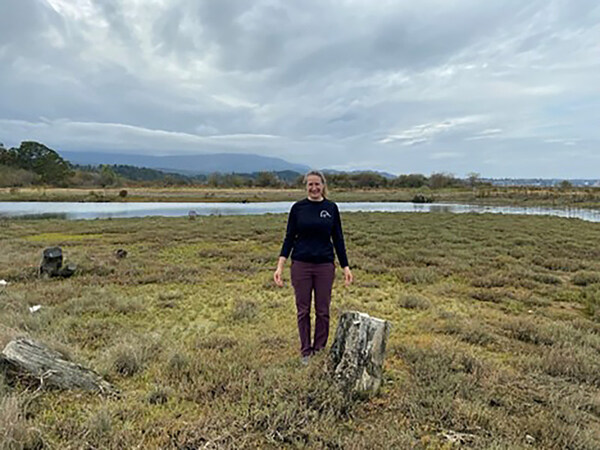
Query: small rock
x,y
456,437
67,271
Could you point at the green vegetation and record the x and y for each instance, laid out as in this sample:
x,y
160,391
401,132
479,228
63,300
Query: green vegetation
x,y
34,172
522,196
35,164
495,334
35,158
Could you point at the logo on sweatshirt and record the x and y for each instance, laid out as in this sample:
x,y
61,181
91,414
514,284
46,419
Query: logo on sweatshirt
x,y
324,214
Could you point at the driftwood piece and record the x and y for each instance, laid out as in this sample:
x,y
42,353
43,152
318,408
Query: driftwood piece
x,y
25,357
357,353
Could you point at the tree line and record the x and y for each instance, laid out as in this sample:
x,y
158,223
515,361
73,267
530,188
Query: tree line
x,y
33,164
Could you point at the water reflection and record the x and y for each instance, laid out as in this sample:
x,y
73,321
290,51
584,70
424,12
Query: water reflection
x,y
76,210
440,209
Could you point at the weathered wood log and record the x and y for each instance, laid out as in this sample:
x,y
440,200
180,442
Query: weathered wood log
x,y
30,359
356,356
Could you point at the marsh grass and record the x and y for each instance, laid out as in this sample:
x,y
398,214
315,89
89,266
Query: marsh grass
x,y
414,301
587,197
586,278
495,334
16,430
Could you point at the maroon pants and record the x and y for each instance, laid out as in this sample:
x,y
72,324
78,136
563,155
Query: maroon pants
x,y
306,278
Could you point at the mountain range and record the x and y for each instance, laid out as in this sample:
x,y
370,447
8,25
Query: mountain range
x,y
189,164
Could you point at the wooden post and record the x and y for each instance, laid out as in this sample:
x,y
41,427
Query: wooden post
x,y
357,352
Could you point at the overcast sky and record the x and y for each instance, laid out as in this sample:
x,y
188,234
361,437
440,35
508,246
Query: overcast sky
x,y
500,87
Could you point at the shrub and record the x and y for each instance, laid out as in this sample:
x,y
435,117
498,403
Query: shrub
x,y
414,301
422,198
492,280
575,363
527,330
585,278
217,342
419,276
177,366
244,310
414,180
128,359
12,176
158,396
590,297
546,278
470,331
488,295
443,180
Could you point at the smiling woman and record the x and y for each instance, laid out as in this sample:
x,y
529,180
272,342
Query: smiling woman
x,y
314,229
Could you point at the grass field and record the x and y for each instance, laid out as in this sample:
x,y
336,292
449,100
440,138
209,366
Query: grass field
x,y
526,196
495,334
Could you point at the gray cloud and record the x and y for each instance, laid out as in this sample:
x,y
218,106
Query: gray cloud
x,y
504,88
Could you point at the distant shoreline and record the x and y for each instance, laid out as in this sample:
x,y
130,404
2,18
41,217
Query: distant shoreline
x,y
517,196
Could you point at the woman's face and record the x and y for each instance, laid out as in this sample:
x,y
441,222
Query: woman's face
x,y
314,187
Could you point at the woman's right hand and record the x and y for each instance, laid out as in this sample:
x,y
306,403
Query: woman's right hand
x,y
277,276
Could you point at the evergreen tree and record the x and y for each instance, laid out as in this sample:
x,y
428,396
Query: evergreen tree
x,y
39,159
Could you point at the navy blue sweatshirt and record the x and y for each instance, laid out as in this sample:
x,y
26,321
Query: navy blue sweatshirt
x,y
313,230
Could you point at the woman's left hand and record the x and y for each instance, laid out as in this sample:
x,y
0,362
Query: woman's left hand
x,y
348,277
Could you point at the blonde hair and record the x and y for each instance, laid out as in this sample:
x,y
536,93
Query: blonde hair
x,y
319,174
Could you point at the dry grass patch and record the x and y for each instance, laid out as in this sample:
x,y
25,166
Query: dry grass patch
x,y
204,347
16,431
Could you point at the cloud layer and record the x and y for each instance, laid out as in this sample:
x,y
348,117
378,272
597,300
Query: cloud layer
x,y
504,88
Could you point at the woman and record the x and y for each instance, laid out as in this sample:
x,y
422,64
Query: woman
x,y
314,229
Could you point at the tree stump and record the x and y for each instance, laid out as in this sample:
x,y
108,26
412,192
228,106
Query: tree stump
x,y
357,353
24,357
52,260
52,264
